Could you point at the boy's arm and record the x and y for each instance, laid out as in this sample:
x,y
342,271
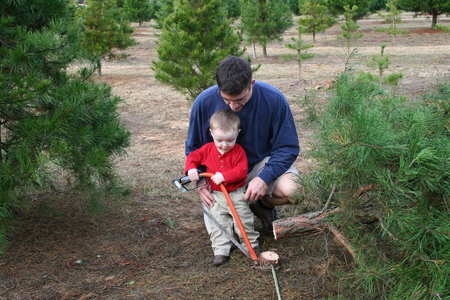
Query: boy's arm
x,y
240,167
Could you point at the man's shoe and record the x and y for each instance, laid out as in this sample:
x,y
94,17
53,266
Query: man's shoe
x,y
267,216
257,250
220,260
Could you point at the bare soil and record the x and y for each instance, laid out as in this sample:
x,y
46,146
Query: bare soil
x,y
154,246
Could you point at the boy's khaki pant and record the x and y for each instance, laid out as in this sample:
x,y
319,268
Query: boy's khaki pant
x,y
221,244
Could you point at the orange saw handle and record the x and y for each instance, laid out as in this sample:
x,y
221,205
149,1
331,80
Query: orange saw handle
x,y
236,217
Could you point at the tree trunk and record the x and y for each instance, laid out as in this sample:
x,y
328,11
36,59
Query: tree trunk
x,y
254,50
264,50
434,18
301,225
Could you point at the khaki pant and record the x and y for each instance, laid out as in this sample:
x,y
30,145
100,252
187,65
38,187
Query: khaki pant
x,y
221,244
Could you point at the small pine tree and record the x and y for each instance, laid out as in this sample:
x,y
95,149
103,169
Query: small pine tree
x,y
317,18
349,35
139,10
194,39
380,62
263,21
105,28
301,48
393,17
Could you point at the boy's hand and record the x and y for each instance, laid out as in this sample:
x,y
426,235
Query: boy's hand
x,y
193,175
218,178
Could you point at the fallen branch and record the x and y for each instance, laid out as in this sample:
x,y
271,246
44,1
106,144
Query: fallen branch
x,y
342,240
308,224
301,225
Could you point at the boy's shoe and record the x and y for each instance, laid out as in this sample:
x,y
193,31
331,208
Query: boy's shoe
x,y
267,216
220,260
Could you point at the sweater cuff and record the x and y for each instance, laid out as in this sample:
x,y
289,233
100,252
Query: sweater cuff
x,y
266,177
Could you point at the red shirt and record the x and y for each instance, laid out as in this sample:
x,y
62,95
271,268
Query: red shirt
x,y
233,164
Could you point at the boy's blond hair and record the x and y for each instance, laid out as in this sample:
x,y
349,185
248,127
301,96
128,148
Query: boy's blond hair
x,y
225,120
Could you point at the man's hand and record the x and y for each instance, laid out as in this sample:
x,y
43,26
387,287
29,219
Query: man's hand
x,y
256,189
204,192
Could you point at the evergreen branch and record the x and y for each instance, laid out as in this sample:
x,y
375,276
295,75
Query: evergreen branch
x,y
7,44
373,146
380,219
333,189
435,262
49,49
433,231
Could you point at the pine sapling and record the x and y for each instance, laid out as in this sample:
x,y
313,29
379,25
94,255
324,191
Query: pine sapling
x,y
301,48
392,17
349,35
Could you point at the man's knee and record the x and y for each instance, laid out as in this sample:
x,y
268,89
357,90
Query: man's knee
x,y
286,186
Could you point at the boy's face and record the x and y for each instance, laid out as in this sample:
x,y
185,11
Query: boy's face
x,y
224,140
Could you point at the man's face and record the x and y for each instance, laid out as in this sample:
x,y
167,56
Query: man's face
x,y
237,102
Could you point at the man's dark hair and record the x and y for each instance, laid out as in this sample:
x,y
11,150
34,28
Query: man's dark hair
x,y
233,75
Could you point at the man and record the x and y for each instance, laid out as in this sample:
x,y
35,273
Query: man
x,y
268,135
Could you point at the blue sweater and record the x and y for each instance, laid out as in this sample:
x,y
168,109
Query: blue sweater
x,y
268,128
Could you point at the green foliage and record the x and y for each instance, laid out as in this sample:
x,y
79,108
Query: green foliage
x,y
388,159
381,63
163,9
106,27
139,10
233,8
431,7
301,48
337,7
50,122
442,27
194,39
393,17
294,6
377,5
349,34
263,21
349,27
317,17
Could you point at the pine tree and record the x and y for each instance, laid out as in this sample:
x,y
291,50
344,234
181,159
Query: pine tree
x,y
301,48
163,9
317,18
139,10
50,121
349,34
337,7
194,39
105,28
381,157
393,16
263,21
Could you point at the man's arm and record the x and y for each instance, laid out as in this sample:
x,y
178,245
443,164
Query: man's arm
x,y
285,146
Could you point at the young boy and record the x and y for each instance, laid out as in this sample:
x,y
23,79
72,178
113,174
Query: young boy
x,y
228,162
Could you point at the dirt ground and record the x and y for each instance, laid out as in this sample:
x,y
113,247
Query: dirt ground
x,y
154,246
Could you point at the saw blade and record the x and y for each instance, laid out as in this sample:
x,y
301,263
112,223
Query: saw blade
x,y
230,236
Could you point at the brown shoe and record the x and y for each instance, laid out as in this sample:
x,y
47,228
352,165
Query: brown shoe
x,y
220,260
